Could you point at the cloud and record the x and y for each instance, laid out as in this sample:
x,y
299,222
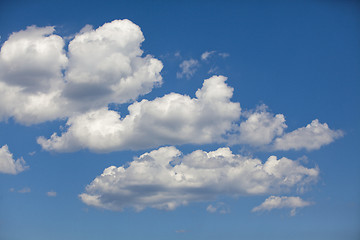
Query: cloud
x,y
24,190
106,66
224,55
40,81
172,119
8,164
259,129
206,55
188,68
276,202
219,207
165,179
51,194
311,137
31,64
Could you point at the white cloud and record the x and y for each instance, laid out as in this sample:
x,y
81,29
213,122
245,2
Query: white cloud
x,y
8,164
276,202
313,136
103,66
259,129
51,194
31,62
166,179
172,119
206,55
188,68
106,66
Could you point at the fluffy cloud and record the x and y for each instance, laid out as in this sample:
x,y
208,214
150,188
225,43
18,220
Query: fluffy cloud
x,y
8,164
106,66
171,119
188,68
259,129
166,179
276,202
31,64
38,82
311,137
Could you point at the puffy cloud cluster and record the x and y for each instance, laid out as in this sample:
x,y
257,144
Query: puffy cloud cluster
x,y
276,202
166,179
171,119
39,81
8,164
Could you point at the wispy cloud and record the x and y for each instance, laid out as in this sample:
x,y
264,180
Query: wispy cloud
x,y
51,194
219,207
24,190
207,54
188,68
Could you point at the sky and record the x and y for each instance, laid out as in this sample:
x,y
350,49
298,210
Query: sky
x,y
179,120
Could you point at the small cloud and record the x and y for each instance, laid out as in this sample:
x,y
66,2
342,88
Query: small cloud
x,y
181,231
188,68
32,153
213,70
177,54
276,202
220,207
8,164
24,190
206,55
224,55
12,189
211,209
51,194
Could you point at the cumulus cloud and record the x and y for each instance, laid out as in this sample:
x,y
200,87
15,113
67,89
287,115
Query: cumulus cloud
x,y
188,68
277,202
166,179
106,66
39,81
31,64
206,55
172,119
259,129
313,136
8,164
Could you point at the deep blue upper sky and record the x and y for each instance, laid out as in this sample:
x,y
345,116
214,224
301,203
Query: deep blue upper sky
x,y
301,59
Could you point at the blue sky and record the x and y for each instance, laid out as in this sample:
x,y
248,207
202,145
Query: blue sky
x,y
191,120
